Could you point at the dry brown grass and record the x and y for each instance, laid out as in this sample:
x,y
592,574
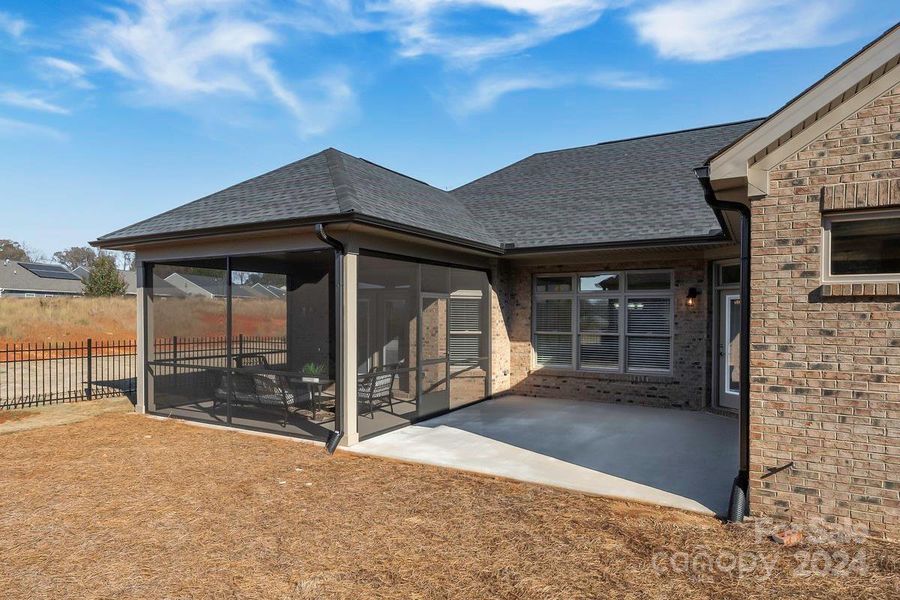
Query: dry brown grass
x,y
14,415
76,319
122,506
66,319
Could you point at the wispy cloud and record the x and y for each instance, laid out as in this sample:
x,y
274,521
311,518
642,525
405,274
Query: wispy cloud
x,y
16,128
708,30
12,26
30,102
425,26
58,70
489,90
180,50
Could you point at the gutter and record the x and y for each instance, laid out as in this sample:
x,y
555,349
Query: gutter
x,y
349,217
511,250
739,505
334,438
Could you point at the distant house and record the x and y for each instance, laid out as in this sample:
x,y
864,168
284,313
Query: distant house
x,y
210,287
265,290
30,280
164,287
82,272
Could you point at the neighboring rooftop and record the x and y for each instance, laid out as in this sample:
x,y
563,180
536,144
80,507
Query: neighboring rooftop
x,y
161,287
625,191
212,285
37,278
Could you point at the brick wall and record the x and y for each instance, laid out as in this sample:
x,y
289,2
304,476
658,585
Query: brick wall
x,y
825,372
513,372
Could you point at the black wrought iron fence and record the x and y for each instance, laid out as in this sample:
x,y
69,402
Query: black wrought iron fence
x,y
33,374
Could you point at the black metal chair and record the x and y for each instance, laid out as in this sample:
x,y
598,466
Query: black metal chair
x,y
376,388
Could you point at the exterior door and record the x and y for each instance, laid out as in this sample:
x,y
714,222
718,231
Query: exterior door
x,y
729,344
434,359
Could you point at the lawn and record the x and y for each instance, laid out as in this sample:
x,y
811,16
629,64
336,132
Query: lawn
x,y
125,506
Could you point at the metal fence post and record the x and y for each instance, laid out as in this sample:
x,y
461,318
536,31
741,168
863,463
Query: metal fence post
x,y
240,345
174,348
90,368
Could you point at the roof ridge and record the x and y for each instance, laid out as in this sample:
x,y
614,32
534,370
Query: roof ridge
x,y
653,135
630,139
338,158
341,181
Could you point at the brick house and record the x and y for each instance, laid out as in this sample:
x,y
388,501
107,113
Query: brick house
x,y
615,273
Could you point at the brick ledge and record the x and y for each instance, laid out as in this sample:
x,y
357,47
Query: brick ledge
x,y
838,290
630,377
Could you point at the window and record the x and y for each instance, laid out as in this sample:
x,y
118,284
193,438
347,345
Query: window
x,y
862,246
618,322
465,330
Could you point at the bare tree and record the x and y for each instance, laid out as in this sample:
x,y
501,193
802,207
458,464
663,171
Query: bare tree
x,y
76,256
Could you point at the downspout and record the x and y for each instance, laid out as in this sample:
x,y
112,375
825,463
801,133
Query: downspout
x,y
334,438
739,505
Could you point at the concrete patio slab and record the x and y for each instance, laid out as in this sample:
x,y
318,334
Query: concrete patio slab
x,y
668,457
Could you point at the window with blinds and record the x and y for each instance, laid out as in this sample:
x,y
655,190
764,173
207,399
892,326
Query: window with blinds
x,y
465,331
618,322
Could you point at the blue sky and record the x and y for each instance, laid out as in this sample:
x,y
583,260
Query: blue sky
x,y
111,112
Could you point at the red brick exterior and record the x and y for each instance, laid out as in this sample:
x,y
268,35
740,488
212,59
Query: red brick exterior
x,y
825,360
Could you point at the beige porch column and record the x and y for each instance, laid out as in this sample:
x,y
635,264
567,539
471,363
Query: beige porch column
x,y
143,350
347,347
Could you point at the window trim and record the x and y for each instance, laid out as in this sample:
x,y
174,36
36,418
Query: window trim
x,y
861,215
623,294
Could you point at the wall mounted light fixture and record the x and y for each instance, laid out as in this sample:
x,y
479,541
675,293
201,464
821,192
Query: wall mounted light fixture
x,y
692,296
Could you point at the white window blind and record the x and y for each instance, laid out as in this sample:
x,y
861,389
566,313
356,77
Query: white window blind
x,y
553,323
602,325
465,331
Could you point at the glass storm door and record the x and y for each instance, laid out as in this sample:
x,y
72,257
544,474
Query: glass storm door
x,y
434,392
729,350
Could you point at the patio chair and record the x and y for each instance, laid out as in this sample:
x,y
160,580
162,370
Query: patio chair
x,y
257,389
243,388
376,388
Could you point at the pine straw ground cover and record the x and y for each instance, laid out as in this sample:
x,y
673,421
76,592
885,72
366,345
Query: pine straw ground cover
x,y
122,506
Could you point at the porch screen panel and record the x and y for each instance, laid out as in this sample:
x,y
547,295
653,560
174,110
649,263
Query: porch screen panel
x,y
187,344
282,342
469,336
387,324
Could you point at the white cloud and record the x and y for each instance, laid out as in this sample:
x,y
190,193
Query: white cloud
x,y
30,102
15,128
182,50
707,30
12,26
489,90
422,26
56,69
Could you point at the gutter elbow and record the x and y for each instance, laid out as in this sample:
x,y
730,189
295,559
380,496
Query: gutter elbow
x,y
323,235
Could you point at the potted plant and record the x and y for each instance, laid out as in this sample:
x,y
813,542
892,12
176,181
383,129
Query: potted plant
x,y
312,372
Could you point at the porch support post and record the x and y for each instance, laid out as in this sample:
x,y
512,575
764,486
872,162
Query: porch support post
x,y
143,352
347,348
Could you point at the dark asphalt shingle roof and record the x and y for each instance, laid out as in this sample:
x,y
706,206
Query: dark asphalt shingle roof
x,y
325,184
625,191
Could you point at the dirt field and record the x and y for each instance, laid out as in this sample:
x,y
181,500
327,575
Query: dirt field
x,y
76,319
124,506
